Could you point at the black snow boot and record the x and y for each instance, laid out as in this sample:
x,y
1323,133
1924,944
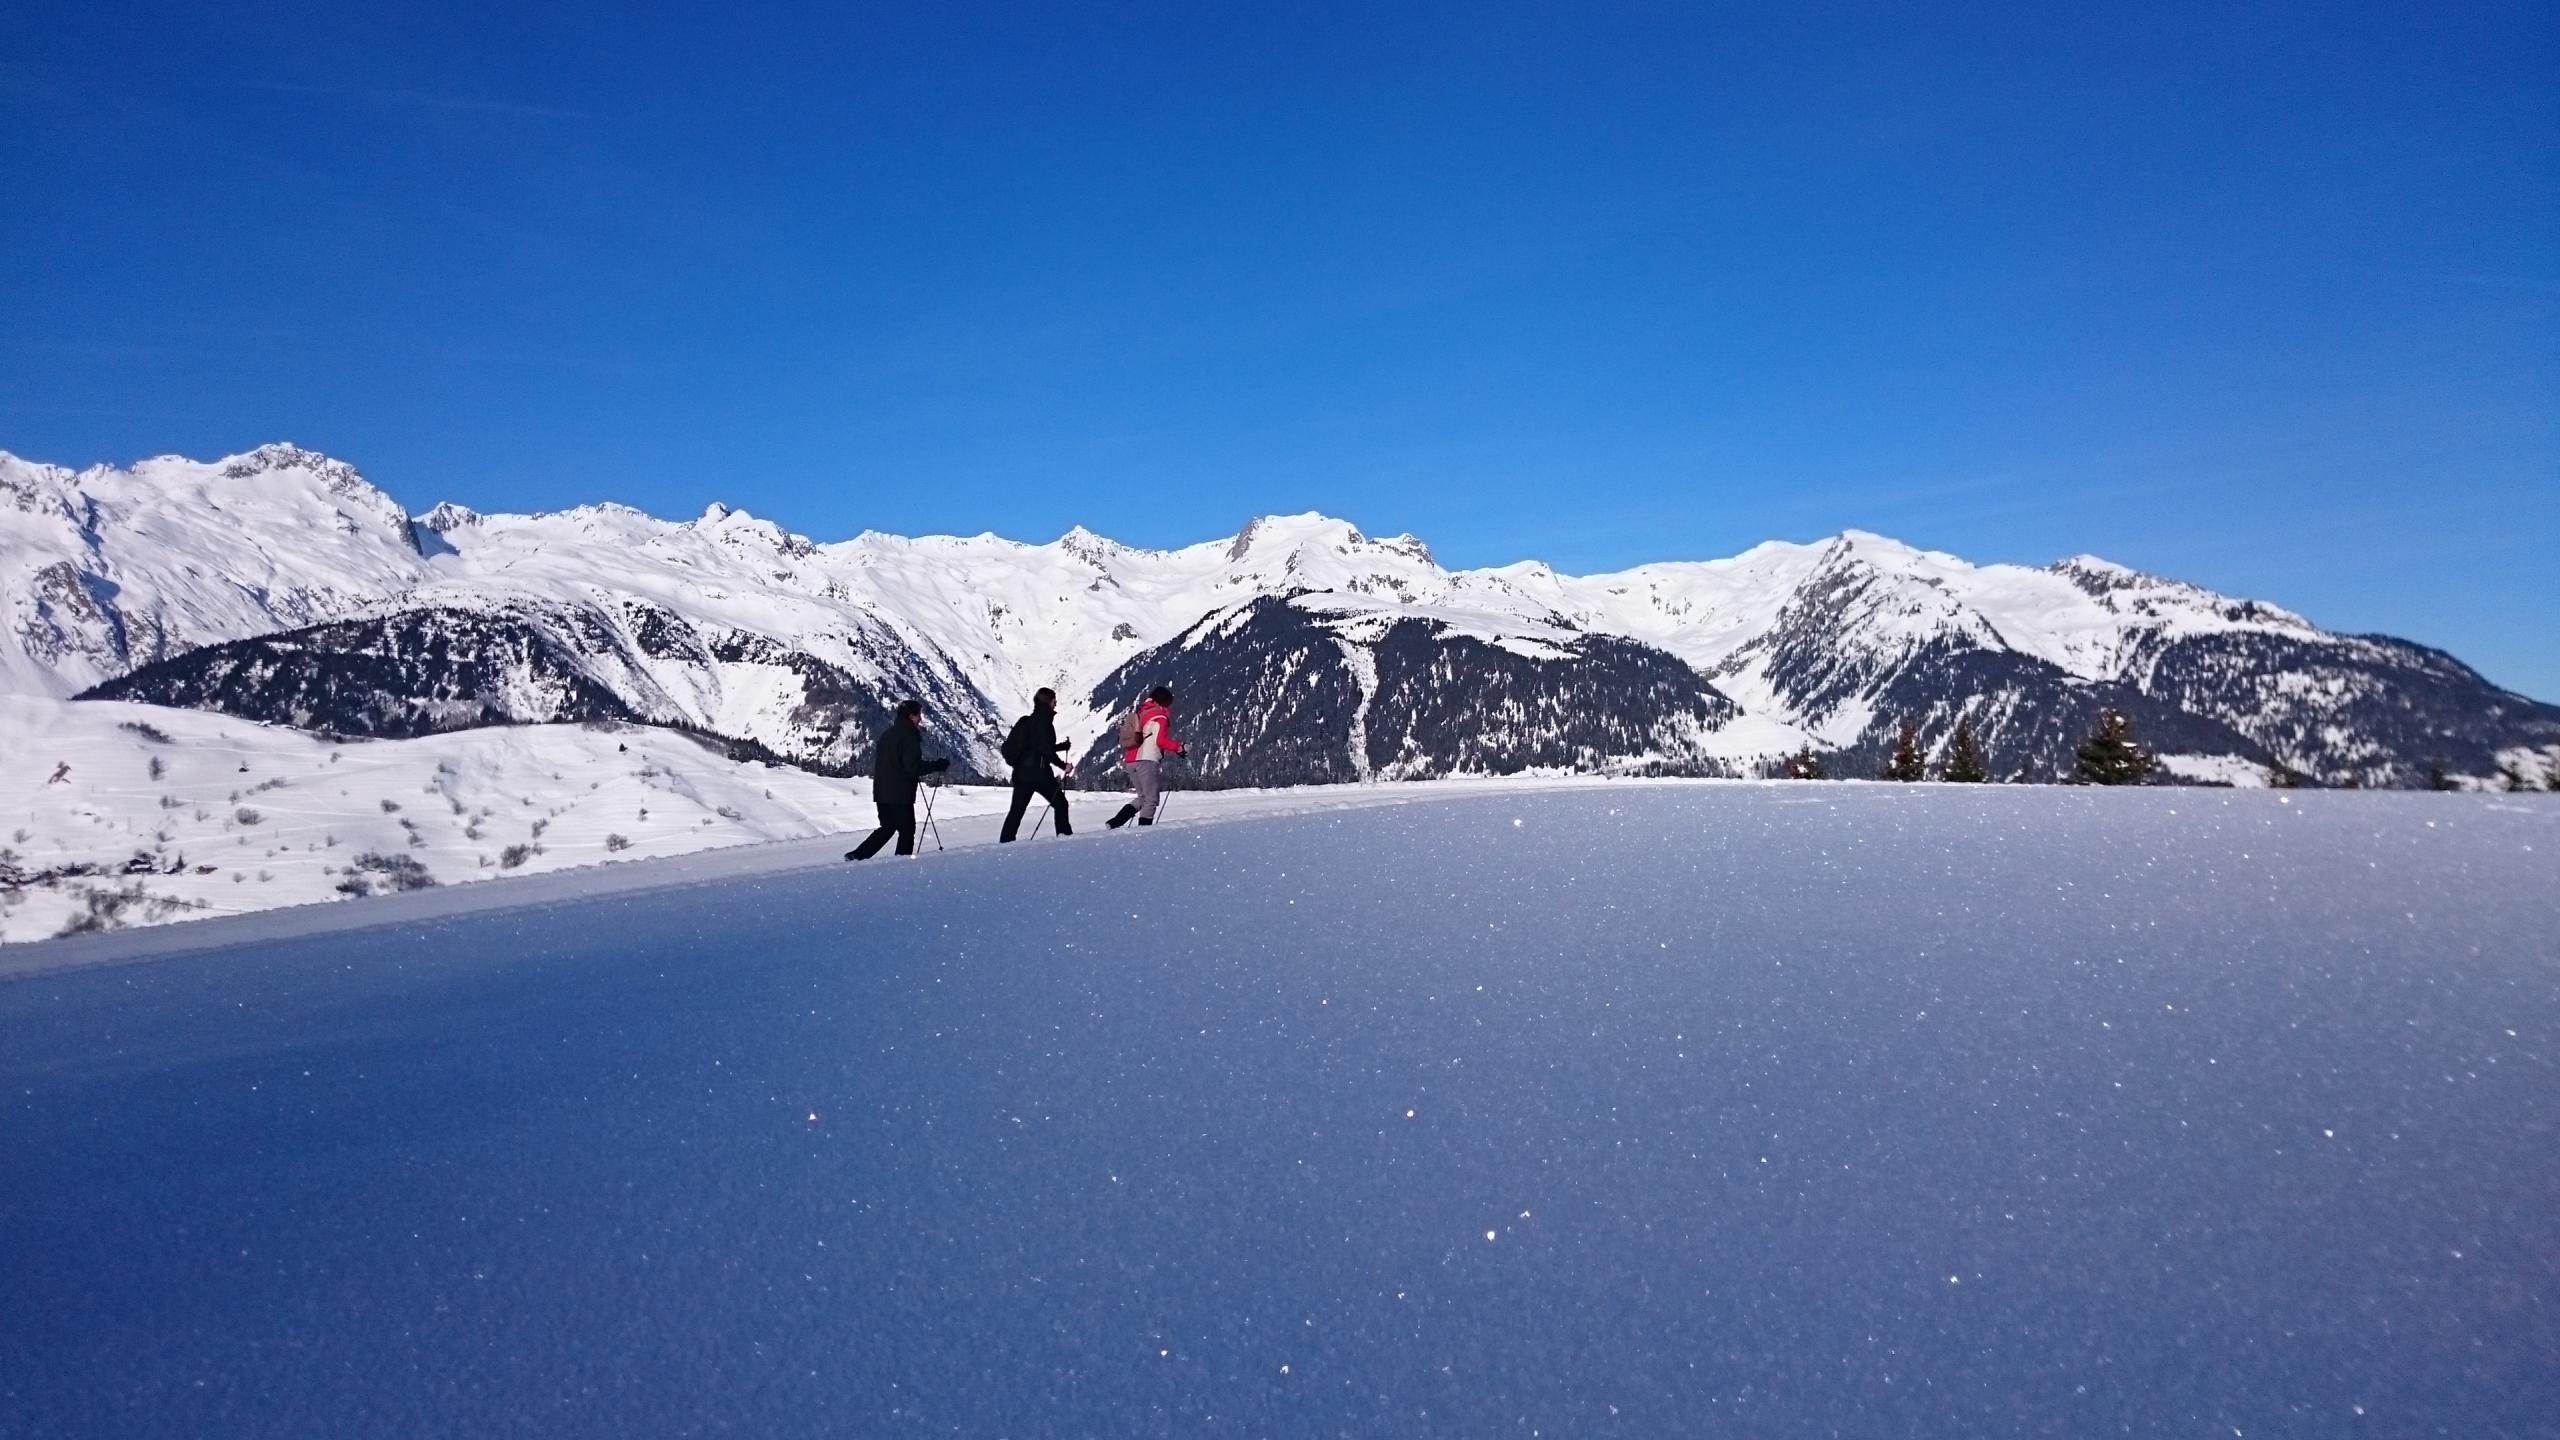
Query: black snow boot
x,y
1127,814
1146,820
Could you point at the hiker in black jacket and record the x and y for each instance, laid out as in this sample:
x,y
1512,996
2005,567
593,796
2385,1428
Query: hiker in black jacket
x,y
895,770
1032,749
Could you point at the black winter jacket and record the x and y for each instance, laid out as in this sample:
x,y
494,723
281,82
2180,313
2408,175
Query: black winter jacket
x,y
900,764
1033,741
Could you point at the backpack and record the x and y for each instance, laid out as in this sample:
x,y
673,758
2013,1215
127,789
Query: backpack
x,y
1130,730
1012,745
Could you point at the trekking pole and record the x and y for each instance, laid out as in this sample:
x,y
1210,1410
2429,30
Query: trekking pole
x,y
1044,817
930,791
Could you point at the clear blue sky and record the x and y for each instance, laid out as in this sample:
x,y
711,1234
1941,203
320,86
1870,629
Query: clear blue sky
x,y
2266,297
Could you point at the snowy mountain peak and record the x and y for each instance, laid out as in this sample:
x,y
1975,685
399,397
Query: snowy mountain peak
x,y
1411,547
737,527
448,517
2098,575
1886,553
1096,550
1293,532
338,475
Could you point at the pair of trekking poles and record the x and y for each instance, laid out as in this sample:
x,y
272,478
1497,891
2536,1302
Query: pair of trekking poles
x,y
1163,799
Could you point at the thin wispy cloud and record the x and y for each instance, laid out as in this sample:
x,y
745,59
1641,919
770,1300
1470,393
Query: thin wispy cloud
x,y
415,99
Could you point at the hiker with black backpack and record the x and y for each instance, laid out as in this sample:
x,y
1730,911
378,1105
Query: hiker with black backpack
x,y
897,767
1146,737
1034,752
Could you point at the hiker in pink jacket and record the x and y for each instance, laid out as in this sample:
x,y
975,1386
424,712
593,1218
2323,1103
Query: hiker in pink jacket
x,y
1154,724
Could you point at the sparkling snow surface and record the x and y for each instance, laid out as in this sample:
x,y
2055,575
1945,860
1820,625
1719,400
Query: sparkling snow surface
x,y
1648,1111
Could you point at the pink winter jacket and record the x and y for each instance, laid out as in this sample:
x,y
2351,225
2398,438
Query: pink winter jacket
x,y
1154,714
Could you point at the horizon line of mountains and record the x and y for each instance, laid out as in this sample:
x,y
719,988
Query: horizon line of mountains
x,y
280,586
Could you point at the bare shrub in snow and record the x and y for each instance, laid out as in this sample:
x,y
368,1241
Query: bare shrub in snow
x,y
247,816
390,806
159,767
730,812
374,873
104,909
146,730
515,855
617,842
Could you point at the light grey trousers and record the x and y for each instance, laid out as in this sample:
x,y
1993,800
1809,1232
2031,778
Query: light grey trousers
x,y
1150,786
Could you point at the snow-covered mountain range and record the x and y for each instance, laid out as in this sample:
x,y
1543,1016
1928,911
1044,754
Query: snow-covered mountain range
x,y
279,585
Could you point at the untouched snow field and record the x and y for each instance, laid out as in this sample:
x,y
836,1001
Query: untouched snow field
x,y
1628,1109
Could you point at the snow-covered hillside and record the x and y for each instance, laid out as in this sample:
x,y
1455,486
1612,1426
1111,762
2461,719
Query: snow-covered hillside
x,y
130,814
1631,1110
115,816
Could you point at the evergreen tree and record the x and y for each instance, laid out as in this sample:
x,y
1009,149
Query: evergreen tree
x,y
2354,781
1905,762
1963,764
2513,776
1804,765
2552,780
2437,779
2281,776
2109,756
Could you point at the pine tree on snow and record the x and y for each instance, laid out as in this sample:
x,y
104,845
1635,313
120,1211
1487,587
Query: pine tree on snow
x,y
2513,776
2437,779
1804,765
1963,764
1905,762
2109,756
